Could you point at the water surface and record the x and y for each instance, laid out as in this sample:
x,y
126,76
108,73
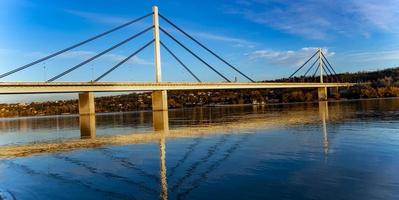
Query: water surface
x,y
339,150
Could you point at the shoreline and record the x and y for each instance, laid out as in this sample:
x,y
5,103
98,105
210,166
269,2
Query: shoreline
x,y
192,107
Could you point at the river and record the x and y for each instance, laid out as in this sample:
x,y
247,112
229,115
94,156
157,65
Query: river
x,y
335,150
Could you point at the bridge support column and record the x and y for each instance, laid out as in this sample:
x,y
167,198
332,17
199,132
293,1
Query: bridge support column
x,y
160,118
322,93
86,103
87,118
159,100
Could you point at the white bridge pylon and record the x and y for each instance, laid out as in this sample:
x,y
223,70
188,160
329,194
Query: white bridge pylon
x,y
321,64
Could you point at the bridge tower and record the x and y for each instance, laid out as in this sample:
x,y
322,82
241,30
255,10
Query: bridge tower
x,y
322,91
320,64
159,97
157,47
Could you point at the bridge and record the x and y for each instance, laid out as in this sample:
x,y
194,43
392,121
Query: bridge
x,y
73,87
159,88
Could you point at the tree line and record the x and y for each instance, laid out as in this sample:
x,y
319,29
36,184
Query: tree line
x,y
375,84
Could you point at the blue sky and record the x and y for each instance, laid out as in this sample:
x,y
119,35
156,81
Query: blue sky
x,y
265,39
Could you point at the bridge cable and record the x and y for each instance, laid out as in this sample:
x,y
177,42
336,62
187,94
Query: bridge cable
x,y
324,61
327,68
310,67
317,69
323,57
73,46
195,55
206,48
328,63
123,61
178,60
303,65
98,55
335,76
327,75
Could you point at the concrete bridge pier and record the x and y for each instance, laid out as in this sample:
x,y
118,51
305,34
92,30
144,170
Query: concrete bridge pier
x,y
322,93
87,126
87,117
159,100
86,103
160,116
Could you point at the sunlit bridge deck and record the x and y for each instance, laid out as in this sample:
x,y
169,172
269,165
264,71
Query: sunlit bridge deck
x,y
73,87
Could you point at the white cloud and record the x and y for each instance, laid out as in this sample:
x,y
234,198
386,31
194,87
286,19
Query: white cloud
x,y
78,54
289,57
368,56
98,17
8,51
107,57
233,41
384,15
237,42
110,19
320,19
133,60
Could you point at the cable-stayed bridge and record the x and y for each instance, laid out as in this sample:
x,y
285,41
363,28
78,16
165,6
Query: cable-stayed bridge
x,y
321,66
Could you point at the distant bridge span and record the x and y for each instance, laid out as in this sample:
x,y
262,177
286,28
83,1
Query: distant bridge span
x,y
77,87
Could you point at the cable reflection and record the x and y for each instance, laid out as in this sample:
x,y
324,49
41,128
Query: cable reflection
x,y
205,175
96,171
192,168
189,151
63,179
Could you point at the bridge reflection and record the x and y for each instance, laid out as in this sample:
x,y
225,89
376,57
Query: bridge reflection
x,y
160,125
87,126
323,111
198,171
162,166
185,125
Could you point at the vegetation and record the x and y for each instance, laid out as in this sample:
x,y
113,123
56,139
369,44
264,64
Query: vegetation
x,y
376,84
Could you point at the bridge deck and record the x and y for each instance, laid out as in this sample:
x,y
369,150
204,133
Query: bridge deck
x,y
72,87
